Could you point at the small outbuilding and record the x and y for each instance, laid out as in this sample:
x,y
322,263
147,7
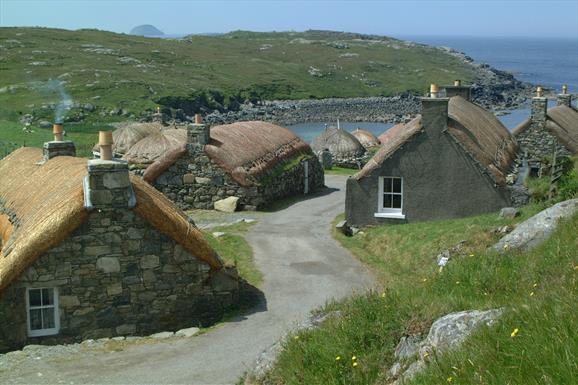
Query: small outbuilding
x,y
345,149
450,161
549,131
88,251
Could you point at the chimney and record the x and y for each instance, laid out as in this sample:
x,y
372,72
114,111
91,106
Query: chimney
x,y
539,109
434,112
564,99
107,185
58,147
198,133
459,90
159,116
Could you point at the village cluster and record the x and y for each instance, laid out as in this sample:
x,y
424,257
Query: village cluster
x,y
103,248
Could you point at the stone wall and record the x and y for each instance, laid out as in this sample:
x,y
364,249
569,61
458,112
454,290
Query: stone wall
x,y
195,181
117,275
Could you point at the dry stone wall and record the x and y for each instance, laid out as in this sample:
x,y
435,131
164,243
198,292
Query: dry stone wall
x,y
116,275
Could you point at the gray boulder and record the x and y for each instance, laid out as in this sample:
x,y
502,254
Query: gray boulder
x,y
509,212
227,205
538,228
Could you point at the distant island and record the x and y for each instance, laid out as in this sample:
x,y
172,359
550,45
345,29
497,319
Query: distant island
x,y
146,30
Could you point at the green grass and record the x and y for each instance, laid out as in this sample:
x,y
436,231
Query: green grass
x,y
538,290
234,250
110,70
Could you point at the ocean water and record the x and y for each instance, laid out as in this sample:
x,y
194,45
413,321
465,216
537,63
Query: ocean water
x,y
548,62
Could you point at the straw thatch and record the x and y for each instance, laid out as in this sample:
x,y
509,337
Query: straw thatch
x,y
393,139
160,165
483,136
366,138
563,123
153,146
128,135
339,142
45,205
389,133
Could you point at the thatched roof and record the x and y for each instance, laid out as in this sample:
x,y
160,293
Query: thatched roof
x,y
483,136
43,204
245,150
393,139
339,142
366,138
150,148
476,130
128,135
388,134
562,122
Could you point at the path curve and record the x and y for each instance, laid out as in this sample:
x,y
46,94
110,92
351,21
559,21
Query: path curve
x,y
303,267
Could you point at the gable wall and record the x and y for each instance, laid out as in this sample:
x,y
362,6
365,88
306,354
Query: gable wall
x,y
116,275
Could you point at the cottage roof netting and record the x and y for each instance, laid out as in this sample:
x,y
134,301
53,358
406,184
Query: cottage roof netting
x,y
366,138
42,204
339,142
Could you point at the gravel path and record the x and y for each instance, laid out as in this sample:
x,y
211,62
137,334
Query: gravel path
x,y
303,267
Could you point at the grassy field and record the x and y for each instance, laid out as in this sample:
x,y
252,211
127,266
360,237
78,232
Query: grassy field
x,y
112,71
538,290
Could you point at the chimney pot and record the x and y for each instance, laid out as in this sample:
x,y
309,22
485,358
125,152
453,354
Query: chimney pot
x,y
564,89
539,92
57,131
457,82
59,146
105,142
198,119
433,90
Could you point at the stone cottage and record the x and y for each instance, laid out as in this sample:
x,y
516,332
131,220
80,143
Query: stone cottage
x,y
450,161
88,251
256,162
549,131
345,149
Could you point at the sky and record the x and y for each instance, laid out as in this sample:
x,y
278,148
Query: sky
x,y
519,18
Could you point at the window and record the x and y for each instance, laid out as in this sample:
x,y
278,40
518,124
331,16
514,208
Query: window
x,y
390,201
42,308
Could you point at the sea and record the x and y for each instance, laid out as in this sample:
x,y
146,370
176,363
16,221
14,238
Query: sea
x,y
549,62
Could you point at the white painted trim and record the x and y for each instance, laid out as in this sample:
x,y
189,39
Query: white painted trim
x,y
43,332
389,215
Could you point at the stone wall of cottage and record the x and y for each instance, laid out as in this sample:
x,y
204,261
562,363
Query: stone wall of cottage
x,y
539,143
195,181
117,275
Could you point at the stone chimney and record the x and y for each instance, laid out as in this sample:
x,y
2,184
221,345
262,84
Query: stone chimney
x,y
459,90
434,112
539,110
564,99
198,134
107,185
58,147
159,116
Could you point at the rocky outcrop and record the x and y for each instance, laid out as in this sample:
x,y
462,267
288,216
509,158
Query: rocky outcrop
x,y
537,229
413,354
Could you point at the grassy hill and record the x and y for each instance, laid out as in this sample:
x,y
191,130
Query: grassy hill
x,y
129,73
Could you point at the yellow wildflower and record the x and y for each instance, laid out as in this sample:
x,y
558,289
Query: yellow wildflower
x,y
337,358
576,267
450,379
424,280
457,282
535,285
354,364
514,332
353,358
471,255
383,295
296,337
531,294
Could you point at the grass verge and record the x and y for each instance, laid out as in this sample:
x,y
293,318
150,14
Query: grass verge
x,y
538,290
341,171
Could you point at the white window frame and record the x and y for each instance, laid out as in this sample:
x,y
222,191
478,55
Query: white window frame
x,y
43,332
388,212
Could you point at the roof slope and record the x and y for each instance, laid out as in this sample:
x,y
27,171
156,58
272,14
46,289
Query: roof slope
x,y
153,146
392,140
483,136
40,205
366,138
563,122
129,134
339,142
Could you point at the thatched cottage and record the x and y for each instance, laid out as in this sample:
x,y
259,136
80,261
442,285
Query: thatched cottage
x,y
450,161
345,149
549,131
367,139
257,162
87,251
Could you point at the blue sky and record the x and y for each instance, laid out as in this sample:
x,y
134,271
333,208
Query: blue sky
x,y
547,18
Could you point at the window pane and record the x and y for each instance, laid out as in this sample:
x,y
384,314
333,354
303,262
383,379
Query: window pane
x,y
47,297
386,184
48,318
396,201
386,201
35,319
34,297
397,185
